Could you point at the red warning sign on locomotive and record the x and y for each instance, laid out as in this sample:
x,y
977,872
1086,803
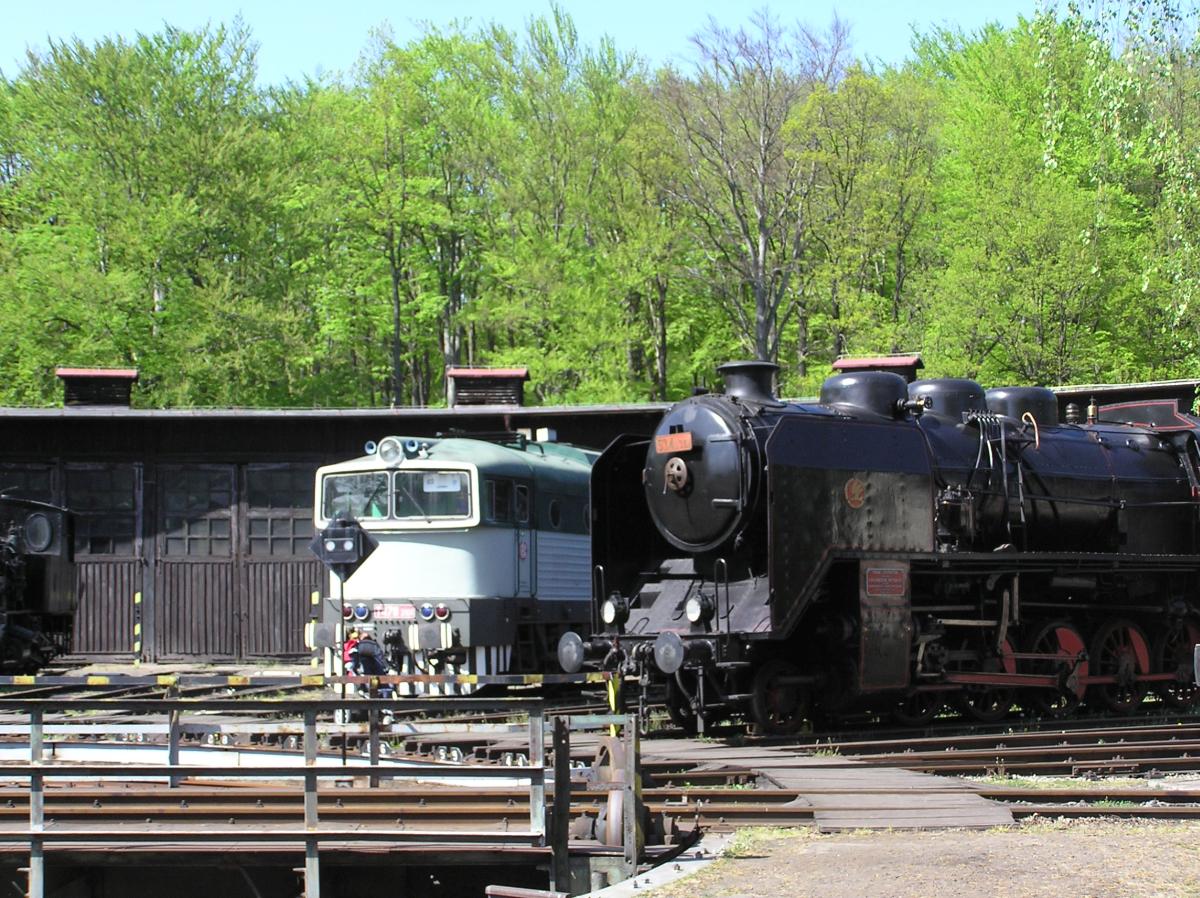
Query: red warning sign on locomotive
x,y
886,581
667,443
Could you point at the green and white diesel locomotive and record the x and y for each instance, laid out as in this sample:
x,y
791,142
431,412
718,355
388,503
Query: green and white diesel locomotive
x,y
482,558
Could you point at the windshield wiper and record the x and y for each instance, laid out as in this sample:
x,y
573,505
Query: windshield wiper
x,y
424,513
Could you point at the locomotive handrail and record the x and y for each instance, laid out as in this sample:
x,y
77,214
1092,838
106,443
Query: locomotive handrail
x,y
1070,500
1028,418
722,566
599,591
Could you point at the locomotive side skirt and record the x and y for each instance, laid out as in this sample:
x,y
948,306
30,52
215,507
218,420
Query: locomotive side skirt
x,y
885,606
870,487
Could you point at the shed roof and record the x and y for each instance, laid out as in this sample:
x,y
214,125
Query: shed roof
x,y
130,374
879,361
507,373
1127,388
400,413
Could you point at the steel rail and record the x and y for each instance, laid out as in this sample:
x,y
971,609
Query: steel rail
x,y
86,798
354,825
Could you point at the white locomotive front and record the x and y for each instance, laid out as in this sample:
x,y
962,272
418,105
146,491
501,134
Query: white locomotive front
x,y
482,558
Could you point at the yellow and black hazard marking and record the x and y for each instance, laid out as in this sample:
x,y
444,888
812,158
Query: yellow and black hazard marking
x,y
137,629
299,681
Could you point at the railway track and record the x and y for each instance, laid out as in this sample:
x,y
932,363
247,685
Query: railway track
x,y
685,808
685,793
1128,749
1131,749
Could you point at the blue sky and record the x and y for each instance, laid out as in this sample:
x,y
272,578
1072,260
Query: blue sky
x,y
304,37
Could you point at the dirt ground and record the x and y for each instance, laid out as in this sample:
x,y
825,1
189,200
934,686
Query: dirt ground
x,y
1063,859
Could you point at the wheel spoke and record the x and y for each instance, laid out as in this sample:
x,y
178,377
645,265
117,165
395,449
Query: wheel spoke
x,y
778,705
1120,651
1062,640
1173,654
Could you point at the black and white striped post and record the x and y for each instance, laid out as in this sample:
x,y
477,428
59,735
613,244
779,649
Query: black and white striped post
x,y
37,809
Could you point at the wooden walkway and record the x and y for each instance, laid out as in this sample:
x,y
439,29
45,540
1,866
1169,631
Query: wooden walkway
x,y
846,794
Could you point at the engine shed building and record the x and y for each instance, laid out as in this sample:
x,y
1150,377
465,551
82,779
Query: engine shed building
x,y
1181,392
195,523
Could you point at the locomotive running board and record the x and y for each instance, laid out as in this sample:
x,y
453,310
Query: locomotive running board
x,y
1046,680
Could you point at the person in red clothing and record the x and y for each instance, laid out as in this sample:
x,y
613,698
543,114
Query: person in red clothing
x,y
350,652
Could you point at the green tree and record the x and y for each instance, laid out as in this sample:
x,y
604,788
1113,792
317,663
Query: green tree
x,y
745,189
140,223
1033,265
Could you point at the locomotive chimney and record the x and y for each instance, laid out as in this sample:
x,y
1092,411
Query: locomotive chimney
x,y
750,381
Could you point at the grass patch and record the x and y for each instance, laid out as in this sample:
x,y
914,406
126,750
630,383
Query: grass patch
x,y
1057,782
750,840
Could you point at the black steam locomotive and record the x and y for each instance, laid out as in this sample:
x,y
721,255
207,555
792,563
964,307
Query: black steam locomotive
x,y
37,583
896,548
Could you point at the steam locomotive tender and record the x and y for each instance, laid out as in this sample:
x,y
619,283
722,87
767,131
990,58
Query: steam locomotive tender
x,y
482,557
37,583
895,548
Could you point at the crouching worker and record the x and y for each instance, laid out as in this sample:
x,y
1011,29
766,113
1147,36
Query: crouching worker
x,y
368,660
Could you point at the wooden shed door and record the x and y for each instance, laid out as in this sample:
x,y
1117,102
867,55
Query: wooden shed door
x,y
279,572
196,600
107,502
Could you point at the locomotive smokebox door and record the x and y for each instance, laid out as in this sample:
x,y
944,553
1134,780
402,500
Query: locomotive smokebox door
x,y
885,605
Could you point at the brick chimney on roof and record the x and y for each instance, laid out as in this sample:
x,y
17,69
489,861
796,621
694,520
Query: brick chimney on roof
x,y
486,386
97,386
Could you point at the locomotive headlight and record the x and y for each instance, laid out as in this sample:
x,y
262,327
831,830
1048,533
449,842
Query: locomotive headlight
x,y
571,652
390,450
614,611
442,612
698,608
39,532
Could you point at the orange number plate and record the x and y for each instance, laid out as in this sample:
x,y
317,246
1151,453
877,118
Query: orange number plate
x,y
673,442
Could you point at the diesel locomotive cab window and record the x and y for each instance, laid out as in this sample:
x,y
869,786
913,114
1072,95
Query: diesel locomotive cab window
x,y
498,497
522,510
361,496
432,494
